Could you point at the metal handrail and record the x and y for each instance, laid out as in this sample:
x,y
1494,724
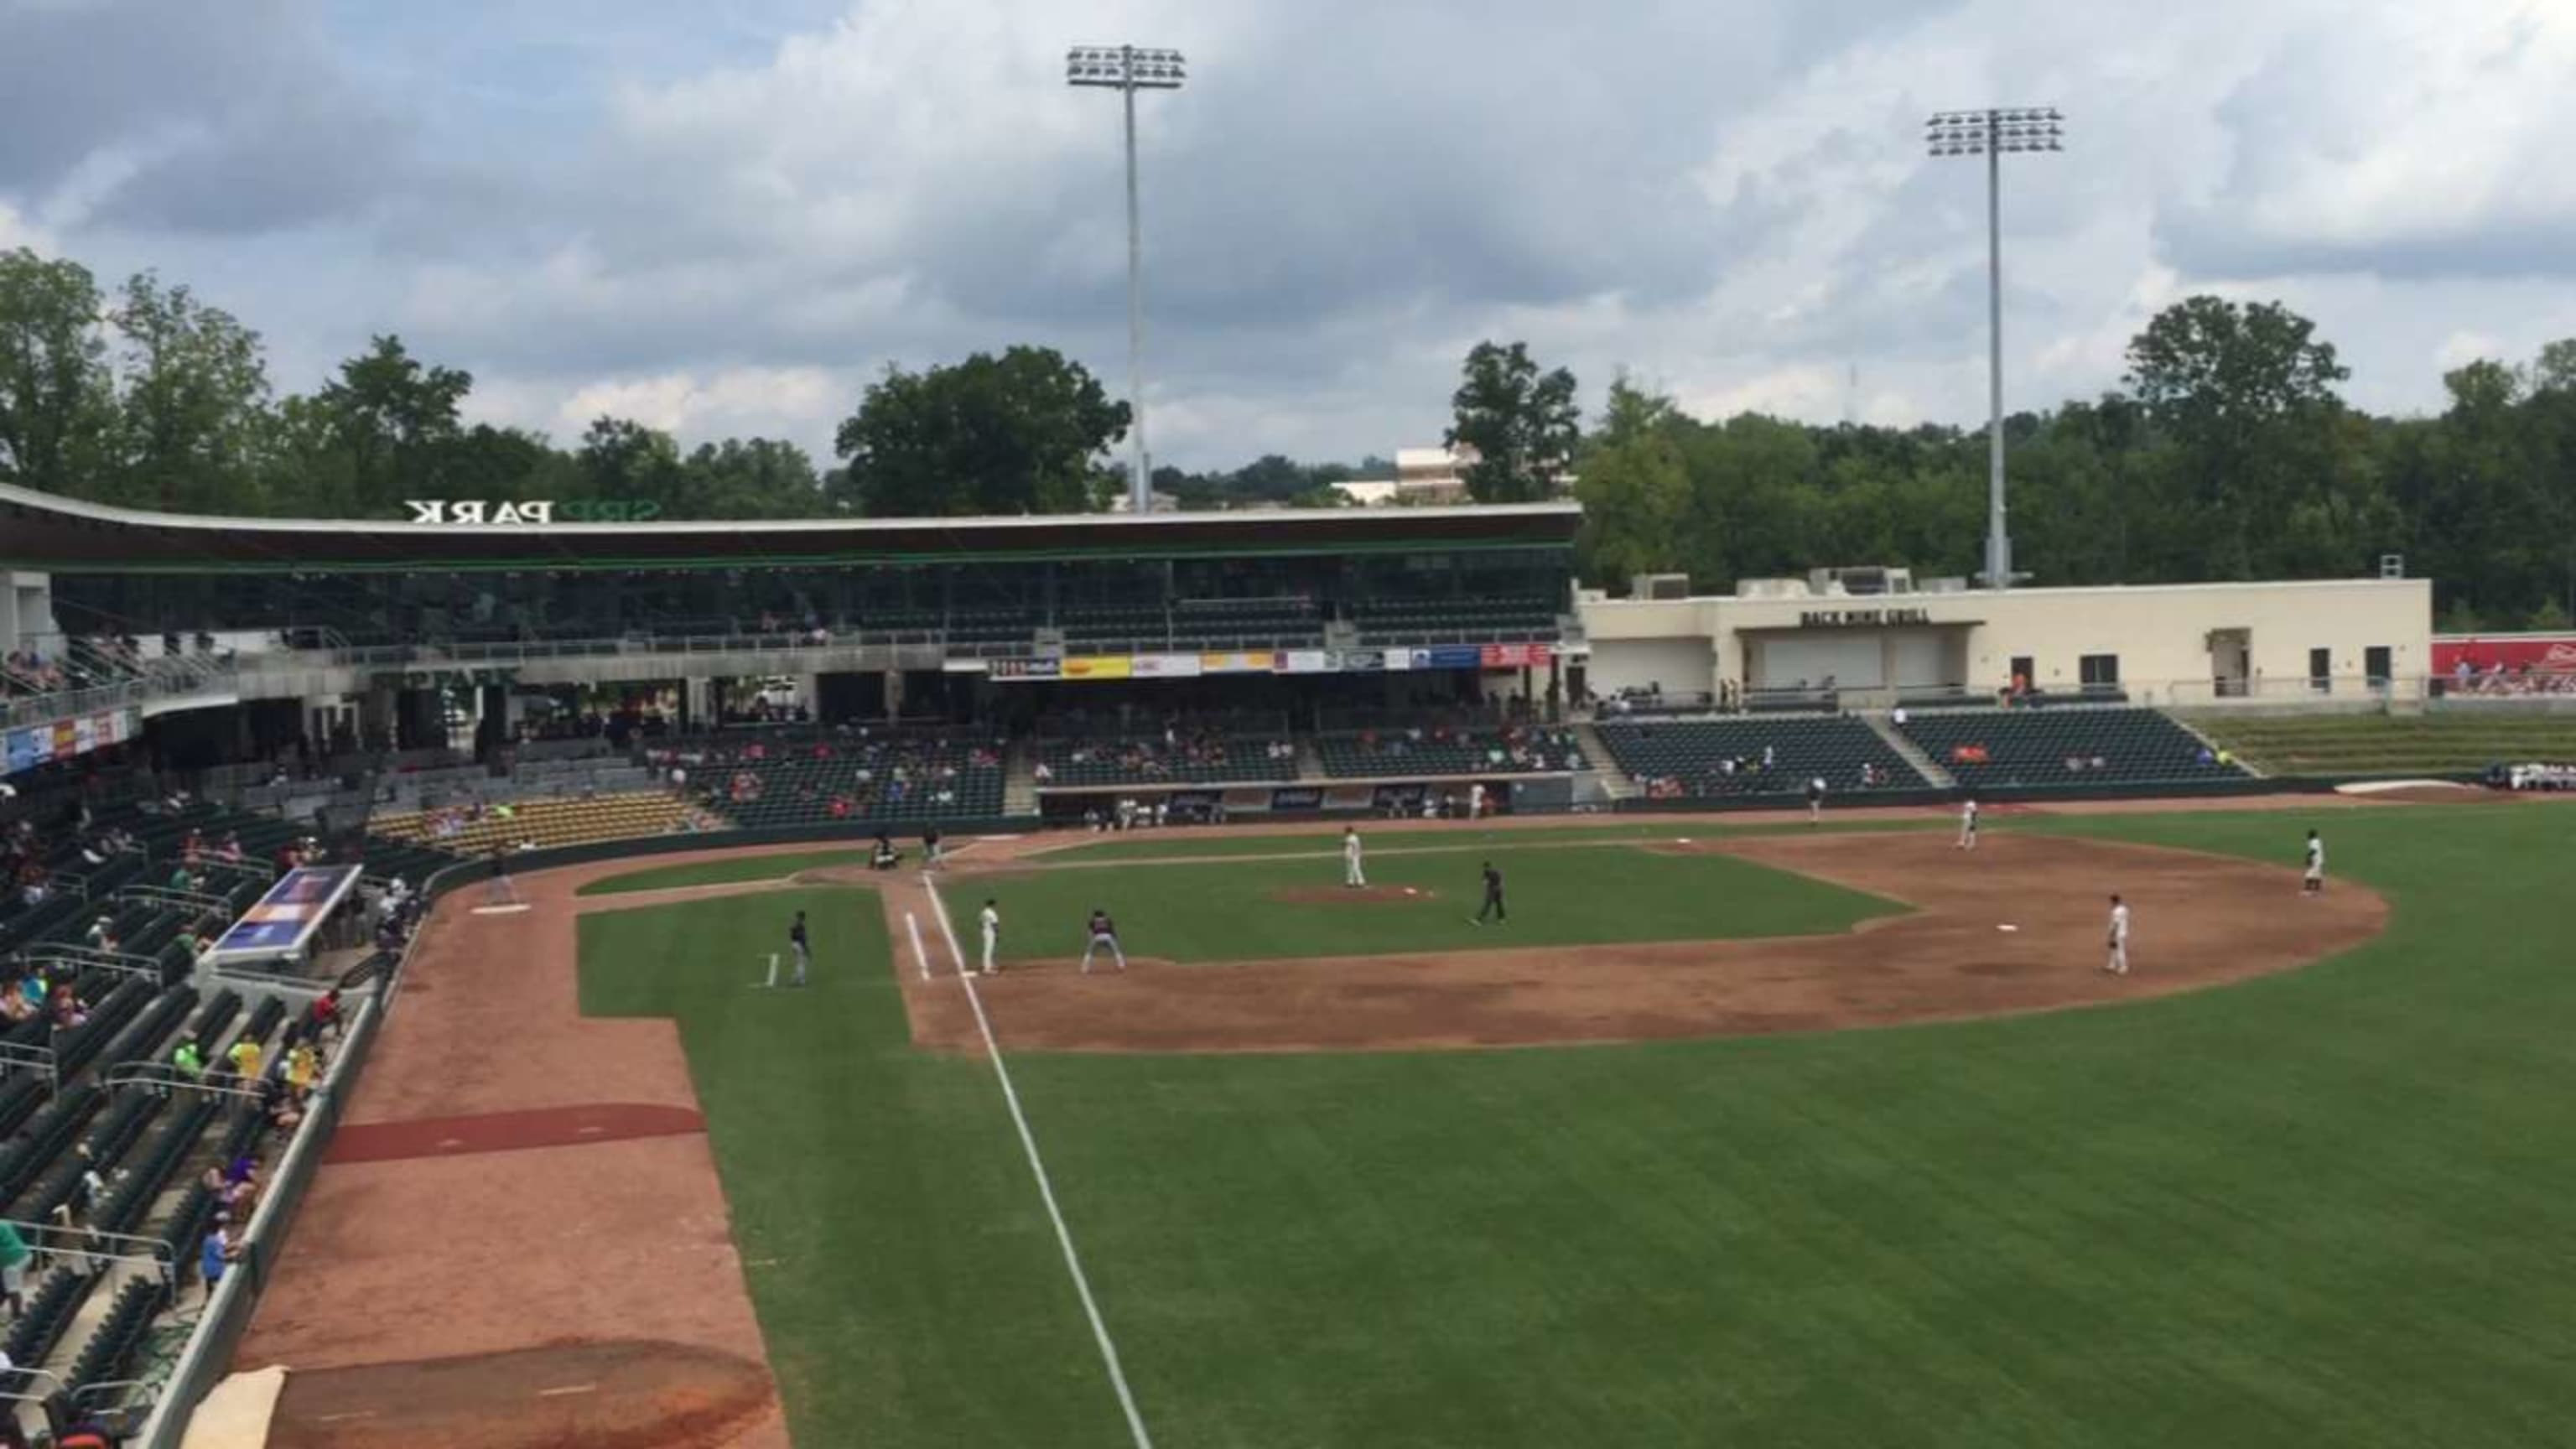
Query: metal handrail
x,y
160,1256
166,1077
42,1059
64,953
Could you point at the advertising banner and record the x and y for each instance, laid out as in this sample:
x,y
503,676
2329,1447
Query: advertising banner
x,y
1514,656
1359,661
1025,668
2539,653
1104,666
85,734
1448,656
66,741
286,918
1255,661
1402,658
1165,666
1305,661
29,748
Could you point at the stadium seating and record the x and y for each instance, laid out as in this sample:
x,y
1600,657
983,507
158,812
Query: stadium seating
x,y
2072,748
1771,755
1465,620
1150,760
1447,750
878,778
543,823
87,1318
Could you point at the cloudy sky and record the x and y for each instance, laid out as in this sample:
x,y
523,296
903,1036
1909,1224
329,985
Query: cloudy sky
x,y
726,218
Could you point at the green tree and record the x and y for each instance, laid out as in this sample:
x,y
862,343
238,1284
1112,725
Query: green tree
x,y
55,399
2245,393
1024,432
1634,489
1523,424
192,390
753,478
396,421
623,459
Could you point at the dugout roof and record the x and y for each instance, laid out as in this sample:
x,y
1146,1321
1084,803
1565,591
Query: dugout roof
x,y
41,531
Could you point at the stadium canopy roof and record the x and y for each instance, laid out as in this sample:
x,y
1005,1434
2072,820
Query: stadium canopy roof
x,y
41,531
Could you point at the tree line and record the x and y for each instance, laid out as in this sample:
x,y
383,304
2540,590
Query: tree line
x,y
2227,452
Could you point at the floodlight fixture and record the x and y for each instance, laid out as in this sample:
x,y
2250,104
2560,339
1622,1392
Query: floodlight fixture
x,y
1994,134
1128,69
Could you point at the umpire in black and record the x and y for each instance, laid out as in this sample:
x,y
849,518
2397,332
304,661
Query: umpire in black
x,y
1493,905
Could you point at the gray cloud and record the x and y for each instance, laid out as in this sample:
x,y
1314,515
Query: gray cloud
x,y
736,222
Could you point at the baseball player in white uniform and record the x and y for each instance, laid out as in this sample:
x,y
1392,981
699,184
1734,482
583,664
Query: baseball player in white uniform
x,y
1815,797
992,922
1968,825
2118,964
2315,884
1352,876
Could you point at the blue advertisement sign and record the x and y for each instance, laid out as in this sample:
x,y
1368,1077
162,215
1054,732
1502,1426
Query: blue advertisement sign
x,y
288,915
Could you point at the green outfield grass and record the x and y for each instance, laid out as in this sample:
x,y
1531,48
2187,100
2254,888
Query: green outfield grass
x,y
1210,844
2327,1207
723,872
1557,897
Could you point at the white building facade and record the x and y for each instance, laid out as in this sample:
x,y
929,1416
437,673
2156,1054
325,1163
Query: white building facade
x,y
2184,644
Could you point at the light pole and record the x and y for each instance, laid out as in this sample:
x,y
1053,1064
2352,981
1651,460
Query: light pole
x,y
1990,134
1127,70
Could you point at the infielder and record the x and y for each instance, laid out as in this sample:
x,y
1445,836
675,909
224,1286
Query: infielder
x,y
992,922
1968,825
2118,964
2315,884
501,891
1493,905
1352,876
1815,799
1104,932
796,942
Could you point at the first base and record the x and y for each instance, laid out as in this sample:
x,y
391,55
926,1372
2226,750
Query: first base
x,y
2007,926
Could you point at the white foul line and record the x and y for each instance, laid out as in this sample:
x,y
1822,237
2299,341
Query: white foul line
x,y
1046,1190
913,924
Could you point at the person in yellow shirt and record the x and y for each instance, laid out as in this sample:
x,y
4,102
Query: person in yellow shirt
x,y
303,1066
246,1058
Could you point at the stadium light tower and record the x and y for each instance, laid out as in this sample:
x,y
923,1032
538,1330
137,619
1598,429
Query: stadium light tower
x,y
1127,69
1992,133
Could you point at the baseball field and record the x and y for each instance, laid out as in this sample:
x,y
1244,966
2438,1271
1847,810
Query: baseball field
x,y
1726,1136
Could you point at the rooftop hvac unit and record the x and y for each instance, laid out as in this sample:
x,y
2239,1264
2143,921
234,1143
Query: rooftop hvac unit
x,y
1772,589
1659,586
1867,581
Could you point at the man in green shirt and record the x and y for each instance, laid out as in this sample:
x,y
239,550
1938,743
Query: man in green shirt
x,y
13,1270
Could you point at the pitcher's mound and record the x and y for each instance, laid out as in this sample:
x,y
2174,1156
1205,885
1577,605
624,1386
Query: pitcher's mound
x,y
1348,895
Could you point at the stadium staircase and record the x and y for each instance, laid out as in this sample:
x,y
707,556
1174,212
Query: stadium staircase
x,y
1019,779
1310,761
2218,746
1912,754
1613,783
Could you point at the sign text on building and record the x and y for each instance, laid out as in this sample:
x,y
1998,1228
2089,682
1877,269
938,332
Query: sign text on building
x,y
501,511
1861,618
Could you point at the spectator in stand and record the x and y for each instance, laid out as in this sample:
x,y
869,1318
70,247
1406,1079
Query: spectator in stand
x,y
14,1254
216,1253
303,1069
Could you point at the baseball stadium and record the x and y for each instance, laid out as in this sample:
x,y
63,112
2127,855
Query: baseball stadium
x,y
1297,977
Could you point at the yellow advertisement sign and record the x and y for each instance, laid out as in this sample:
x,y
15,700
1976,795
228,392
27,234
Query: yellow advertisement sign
x,y
1105,666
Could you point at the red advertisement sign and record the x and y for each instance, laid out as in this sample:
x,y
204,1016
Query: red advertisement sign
x,y
2541,653
1514,656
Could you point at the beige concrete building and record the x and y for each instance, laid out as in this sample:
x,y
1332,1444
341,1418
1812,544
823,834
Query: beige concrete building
x,y
2184,644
